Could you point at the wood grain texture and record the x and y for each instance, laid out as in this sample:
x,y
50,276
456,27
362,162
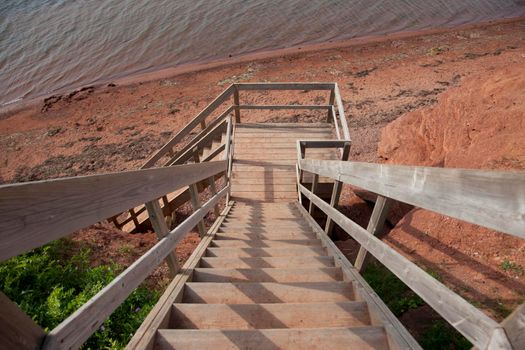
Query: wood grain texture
x,y
398,336
35,213
17,330
493,199
468,320
514,326
159,315
224,96
77,328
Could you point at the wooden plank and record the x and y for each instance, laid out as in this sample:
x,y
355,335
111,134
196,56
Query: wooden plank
x,y
72,332
324,143
375,227
313,189
468,320
362,338
284,86
195,203
278,275
281,107
35,213
161,230
341,110
225,95
270,316
193,143
236,104
159,315
398,336
200,144
493,199
514,326
17,330
334,203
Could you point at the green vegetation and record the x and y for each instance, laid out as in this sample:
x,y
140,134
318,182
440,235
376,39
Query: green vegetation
x,y
512,267
442,336
396,295
49,286
438,335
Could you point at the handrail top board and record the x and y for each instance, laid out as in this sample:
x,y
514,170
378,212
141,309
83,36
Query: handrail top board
x,y
493,199
35,213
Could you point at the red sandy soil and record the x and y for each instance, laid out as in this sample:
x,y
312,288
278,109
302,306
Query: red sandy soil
x,y
117,127
481,125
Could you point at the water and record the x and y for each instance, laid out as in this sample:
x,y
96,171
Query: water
x,y
56,45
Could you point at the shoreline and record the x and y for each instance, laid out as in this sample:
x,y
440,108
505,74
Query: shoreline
x,y
158,74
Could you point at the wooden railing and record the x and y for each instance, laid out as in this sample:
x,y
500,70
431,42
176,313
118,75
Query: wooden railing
x,y
35,213
212,126
488,198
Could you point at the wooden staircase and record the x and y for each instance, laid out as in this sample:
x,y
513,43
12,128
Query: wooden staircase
x,y
266,282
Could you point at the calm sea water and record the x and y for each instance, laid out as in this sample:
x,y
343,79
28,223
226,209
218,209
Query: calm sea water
x,y
55,45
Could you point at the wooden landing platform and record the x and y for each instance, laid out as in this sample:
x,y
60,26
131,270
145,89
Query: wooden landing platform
x,y
265,156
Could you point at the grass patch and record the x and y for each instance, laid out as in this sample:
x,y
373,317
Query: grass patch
x,y
438,334
512,267
395,294
48,285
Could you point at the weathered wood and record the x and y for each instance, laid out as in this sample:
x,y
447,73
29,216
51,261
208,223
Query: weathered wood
x,y
162,230
35,213
331,101
398,336
313,189
159,316
211,126
224,96
341,110
375,227
493,199
468,320
336,123
195,203
362,338
280,107
324,143
514,326
278,275
73,331
236,104
198,145
334,203
213,188
17,330
284,86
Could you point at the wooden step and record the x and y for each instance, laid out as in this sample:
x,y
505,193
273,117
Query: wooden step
x,y
266,230
266,262
264,316
265,252
362,338
269,225
263,181
278,275
265,221
263,243
264,196
258,293
272,235
241,186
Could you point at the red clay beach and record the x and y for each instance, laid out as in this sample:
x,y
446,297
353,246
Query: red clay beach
x,y
447,98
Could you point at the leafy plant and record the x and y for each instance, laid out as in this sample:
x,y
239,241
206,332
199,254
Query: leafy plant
x,y
511,266
396,295
49,286
441,336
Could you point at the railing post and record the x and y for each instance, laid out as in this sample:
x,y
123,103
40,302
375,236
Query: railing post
x,y
213,188
156,217
236,103
315,180
228,150
195,203
334,202
331,103
375,226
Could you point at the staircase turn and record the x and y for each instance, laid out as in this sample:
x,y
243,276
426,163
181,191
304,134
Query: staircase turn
x,y
267,282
